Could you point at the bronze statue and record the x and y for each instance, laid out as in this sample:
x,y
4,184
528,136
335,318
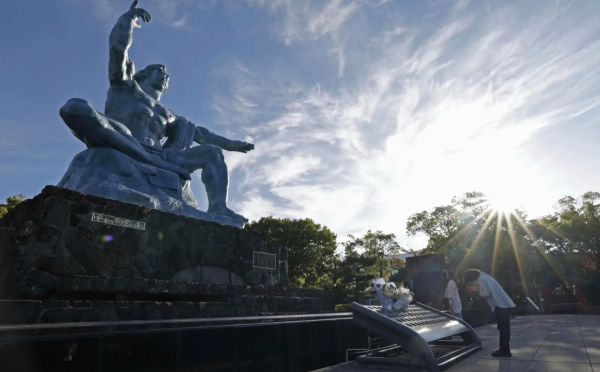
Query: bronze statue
x,y
135,122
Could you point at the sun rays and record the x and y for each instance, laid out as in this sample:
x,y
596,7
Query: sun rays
x,y
502,208
502,202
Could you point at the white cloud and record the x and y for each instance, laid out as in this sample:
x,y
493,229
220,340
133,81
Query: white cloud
x,y
301,20
261,207
287,168
428,113
172,13
331,17
307,21
460,5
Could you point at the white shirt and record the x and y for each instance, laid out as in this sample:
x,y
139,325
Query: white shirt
x,y
452,295
491,290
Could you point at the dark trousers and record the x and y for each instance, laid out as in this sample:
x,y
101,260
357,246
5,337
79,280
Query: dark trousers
x,y
503,320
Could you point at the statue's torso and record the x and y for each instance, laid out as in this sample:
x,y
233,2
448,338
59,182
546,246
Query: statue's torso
x,y
145,117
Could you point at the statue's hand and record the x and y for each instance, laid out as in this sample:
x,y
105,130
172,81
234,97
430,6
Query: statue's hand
x,y
241,146
136,12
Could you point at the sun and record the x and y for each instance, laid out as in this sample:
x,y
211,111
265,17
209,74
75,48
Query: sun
x,y
503,200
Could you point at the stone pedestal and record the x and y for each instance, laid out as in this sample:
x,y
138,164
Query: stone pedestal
x,y
66,256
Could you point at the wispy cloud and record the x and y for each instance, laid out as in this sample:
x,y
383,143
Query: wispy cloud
x,y
428,113
289,168
171,13
307,21
299,20
236,106
331,17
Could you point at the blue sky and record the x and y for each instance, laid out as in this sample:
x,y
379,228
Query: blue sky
x,y
362,111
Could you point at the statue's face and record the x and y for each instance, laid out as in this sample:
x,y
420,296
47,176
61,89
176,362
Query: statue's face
x,y
159,79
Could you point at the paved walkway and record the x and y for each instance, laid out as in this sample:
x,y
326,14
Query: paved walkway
x,y
551,343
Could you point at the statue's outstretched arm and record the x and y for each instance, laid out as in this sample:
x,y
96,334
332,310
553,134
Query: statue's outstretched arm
x,y
120,67
203,136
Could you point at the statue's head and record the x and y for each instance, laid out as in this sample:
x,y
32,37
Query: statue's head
x,y
155,76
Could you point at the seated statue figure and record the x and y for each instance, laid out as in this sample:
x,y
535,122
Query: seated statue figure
x,y
135,123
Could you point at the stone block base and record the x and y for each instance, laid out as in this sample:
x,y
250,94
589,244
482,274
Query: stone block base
x,y
70,257
63,234
62,311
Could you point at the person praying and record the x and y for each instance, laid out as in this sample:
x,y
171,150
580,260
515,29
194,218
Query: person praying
x,y
500,304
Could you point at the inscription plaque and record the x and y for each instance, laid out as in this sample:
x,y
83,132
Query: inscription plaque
x,y
264,260
117,221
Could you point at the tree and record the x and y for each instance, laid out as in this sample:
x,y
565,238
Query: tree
x,y
311,249
11,202
472,234
399,272
379,245
569,241
450,228
353,276
439,226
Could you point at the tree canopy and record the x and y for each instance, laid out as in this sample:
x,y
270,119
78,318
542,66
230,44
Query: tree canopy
x,y
557,250
11,202
352,275
365,258
311,249
314,263
379,245
571,238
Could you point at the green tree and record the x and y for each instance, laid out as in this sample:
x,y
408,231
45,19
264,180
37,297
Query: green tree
x,y
439,225
311,249
352,276
528,257
451,228
11,202
379,245
398,267
569,240
470,233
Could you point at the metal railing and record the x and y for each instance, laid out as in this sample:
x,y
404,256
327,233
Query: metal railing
x,y
269,343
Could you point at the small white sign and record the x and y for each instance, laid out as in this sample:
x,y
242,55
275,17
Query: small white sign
x,y
263,260
118,221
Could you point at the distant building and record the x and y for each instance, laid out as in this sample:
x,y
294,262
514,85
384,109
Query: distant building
x,y
402,256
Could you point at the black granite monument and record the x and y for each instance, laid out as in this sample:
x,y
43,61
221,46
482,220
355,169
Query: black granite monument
x,y
66,257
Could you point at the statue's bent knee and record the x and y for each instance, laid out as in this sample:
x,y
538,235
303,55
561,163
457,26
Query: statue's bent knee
x,y
76,107
215,153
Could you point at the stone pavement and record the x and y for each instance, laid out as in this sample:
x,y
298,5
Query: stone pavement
x,y
549,343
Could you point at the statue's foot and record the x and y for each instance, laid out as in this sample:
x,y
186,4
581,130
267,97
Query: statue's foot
x,y
224,211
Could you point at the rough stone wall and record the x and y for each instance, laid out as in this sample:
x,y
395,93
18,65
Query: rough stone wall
x,y
62,311
52,237
424,277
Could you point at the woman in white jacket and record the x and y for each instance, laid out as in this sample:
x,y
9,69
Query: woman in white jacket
x,y
452,294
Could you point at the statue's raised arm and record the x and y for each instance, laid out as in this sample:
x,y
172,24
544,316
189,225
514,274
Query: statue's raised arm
x,y
120,67
143,168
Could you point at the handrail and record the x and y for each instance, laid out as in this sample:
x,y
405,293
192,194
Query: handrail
x,y
265,318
